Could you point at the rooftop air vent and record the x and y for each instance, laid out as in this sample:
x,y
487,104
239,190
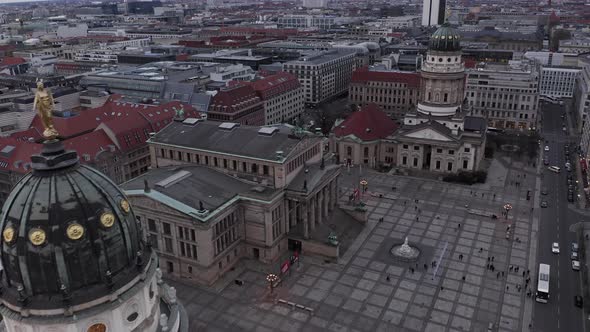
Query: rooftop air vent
x,y
228,126
191,121
7,151
267,131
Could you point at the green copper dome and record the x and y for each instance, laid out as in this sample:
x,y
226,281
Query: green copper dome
x,y
446,39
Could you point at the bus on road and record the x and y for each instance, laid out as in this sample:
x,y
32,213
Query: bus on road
x,y
543,284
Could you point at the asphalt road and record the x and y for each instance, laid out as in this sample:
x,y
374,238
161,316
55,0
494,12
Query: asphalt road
x,y
559,314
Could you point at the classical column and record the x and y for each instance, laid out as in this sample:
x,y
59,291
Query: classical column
x,y
304,220
312,213
286,214
293,212
319,207
325,200
335,193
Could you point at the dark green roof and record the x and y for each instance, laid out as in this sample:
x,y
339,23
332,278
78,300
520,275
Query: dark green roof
x,y
446,39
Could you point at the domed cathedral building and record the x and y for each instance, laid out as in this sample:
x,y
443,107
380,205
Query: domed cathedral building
x,y
438,136
74,257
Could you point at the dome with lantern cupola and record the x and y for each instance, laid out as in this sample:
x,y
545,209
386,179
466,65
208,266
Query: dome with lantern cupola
x,y
68,234
445,39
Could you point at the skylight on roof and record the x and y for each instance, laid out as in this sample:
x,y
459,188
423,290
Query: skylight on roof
x,y
173,179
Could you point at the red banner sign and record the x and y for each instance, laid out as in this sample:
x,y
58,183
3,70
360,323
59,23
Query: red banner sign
x,y
285,267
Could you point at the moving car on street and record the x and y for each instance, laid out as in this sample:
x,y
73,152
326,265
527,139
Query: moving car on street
x,y
555,248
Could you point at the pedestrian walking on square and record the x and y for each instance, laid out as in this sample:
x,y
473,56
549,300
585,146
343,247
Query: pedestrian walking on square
x,y
492,258
480,249
502,273
507,288
510,269
442,288
493,268
489,259
459,226
523,273
425,266
494,196
463,278
388,278
516,269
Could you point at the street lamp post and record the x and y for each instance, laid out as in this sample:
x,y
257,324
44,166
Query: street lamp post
x,y
364,185
507,208
271,278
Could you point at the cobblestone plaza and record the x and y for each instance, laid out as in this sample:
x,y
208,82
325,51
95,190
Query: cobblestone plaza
x,y
368,290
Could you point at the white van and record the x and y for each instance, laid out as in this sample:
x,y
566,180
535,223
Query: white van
x,y
554,169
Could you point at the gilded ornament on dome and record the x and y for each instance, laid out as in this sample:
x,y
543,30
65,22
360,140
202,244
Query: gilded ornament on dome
x,y
37,236
44,104
75,231
8,234
125,206
107,219
98,327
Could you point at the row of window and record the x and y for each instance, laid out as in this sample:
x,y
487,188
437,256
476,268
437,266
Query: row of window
x,y
437,163
214,161
438,150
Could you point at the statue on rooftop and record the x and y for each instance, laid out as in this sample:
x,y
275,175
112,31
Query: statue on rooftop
x,y
43,103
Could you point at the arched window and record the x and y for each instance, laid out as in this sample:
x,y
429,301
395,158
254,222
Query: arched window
x,y
446,97
366,152
349,151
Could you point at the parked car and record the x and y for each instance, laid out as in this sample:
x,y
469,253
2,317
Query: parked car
x,y
544,191
574,256
543,204
578,301
546,147
554,169
576,265
574,247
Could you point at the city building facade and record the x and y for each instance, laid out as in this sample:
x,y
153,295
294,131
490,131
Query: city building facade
x,y
323,75
394,92
506,95
558,82
282,95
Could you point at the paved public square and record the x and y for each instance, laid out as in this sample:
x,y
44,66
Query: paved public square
x,y
368,290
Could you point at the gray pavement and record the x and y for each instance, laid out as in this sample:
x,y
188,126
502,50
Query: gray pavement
x,y
356,295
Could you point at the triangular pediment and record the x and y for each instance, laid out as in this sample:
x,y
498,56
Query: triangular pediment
x,y
429,134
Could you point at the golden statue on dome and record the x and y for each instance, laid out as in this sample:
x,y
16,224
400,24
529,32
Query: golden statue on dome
x,y
43,103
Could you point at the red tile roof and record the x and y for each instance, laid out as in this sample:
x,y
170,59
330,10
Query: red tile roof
x,y
369,123
364,75
91,144
128,124
11,61
233,99
274,85
19,158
